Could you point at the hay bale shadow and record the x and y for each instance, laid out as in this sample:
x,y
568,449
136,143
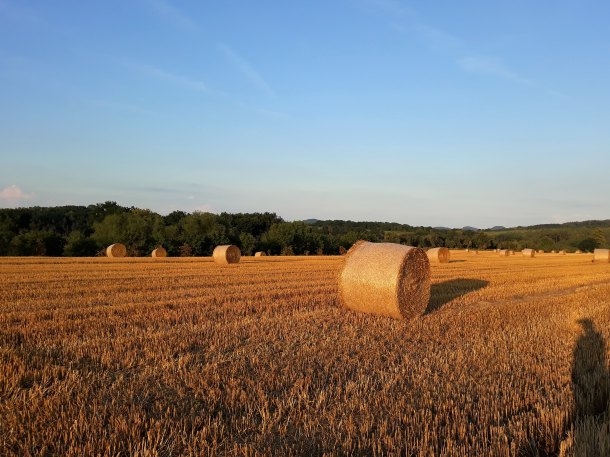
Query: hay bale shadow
x,y
442,293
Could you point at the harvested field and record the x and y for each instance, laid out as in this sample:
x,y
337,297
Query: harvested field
x,y
175,356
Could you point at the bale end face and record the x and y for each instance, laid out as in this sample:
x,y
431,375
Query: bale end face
x,y
226,255
528,253
116,250
440,255
159,253
601,255
260,254
385,279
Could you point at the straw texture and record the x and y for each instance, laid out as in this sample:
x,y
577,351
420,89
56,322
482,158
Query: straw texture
x,y
159,252
116,250
440,255
226,254
528,253
260,254
385,279
601,254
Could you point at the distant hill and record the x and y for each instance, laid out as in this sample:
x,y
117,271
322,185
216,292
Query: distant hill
x,y
471,229
311,221
497,228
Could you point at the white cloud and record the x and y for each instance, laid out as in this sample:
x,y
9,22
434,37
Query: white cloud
x,y
168,11
247,70
491,66
173,78
13,195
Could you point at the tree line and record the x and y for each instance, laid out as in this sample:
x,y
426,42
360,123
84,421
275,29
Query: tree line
x,y
87,230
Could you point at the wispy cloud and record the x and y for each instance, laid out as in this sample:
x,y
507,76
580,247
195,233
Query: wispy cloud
x,y
13,196
168,11
404,20
179,80
436,37
247,70
491,66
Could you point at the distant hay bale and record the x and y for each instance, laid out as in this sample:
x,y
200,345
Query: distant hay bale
x,y
528,253
602,255
260,254
226,254
503,252
159,252
578,251
562,252
386,279
116,250
540,251
440,255
553,251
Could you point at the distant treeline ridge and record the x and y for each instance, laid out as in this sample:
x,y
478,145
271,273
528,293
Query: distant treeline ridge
x,y
87,230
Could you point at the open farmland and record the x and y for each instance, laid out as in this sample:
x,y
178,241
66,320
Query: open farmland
x,y
185,357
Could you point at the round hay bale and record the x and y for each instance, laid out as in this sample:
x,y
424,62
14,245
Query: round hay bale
x,y
159,252
504,252
116,250
553,251
439,255
601,254
540,251
578,251
528,253
226,254
562,252
386,279
260,254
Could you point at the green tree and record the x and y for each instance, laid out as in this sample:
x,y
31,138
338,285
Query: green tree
x,y
600,237
247,242
79,245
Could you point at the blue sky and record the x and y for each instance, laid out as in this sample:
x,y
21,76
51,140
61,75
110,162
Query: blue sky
x,y
428,113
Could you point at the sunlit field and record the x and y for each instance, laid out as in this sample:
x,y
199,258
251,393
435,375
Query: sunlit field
x,y
182,356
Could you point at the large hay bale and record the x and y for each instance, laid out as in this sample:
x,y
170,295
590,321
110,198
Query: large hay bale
x,y
159,252
440,255
116,250
504,252
386,279
528,253
226,254
562,252
260,254
601,254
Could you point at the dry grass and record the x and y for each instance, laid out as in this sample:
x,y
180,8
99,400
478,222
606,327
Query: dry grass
x,y
179,357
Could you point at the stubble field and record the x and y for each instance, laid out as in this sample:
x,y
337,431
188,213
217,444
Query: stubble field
x,y
176,357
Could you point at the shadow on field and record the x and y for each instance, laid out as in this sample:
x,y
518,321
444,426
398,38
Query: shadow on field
x,y
590,375
444,292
